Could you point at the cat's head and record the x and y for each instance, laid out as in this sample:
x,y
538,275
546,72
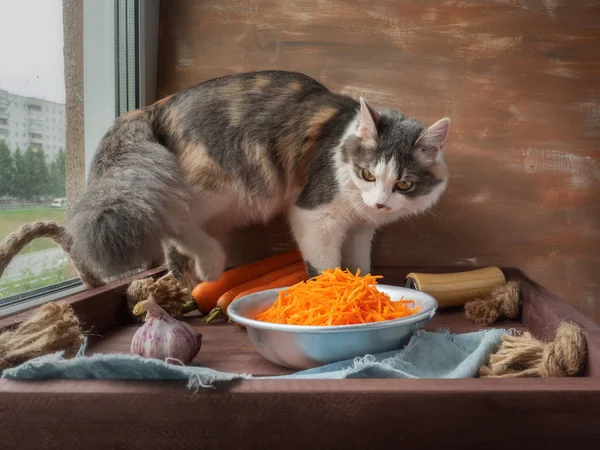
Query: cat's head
x,y
395,162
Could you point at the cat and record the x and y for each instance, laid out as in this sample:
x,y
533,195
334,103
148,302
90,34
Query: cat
x,y
179,175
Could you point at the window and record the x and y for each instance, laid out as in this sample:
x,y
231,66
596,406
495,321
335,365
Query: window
x,y
119,72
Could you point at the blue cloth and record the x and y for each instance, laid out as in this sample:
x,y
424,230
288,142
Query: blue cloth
x,y
427,355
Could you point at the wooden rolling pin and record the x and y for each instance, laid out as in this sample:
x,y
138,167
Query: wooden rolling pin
x,y
455,289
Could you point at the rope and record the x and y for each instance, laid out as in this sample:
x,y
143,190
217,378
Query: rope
x,y
525,356
503,302
522,355
15,242
53,327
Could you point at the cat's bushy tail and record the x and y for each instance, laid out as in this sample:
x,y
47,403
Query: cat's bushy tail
x,y
132,203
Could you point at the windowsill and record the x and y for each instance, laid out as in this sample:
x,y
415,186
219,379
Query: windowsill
x,y
99,309
77,413
46,294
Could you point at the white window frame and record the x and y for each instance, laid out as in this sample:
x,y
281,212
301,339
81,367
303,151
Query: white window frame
x,y
100,94
99,84
99,65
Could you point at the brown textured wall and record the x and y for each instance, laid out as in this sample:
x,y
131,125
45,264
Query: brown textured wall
x,y
520,80
73,61
73,55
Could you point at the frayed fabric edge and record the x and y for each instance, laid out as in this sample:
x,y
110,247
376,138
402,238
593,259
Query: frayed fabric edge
x,y
82,348
360,363
210,381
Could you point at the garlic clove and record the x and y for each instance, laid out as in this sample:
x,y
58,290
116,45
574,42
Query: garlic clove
x,y
163,337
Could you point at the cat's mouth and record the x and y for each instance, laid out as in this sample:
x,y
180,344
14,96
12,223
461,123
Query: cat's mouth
x,y
380,208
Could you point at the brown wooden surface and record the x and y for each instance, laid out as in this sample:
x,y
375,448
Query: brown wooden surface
x,y
228,348
373,414
519,80
263,414
104,316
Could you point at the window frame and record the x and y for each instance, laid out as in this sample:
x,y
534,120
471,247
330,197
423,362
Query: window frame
x,y
101,53
100,95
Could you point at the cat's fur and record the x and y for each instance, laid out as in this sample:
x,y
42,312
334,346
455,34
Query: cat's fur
x,y
238,150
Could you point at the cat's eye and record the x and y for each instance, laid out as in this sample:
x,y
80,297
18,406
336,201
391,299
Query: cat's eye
x,y
367,175
404,185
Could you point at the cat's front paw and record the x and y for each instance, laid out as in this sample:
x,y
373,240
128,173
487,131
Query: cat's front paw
x,y
311,270
189,278
210,267
177,263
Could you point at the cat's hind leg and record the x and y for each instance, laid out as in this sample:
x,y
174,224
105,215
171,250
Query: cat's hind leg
x,y
319,237
195,238
177,263
180,266
207,252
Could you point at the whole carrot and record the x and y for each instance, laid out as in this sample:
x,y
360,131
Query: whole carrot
x,y
288,280
207,293
285,281
225,300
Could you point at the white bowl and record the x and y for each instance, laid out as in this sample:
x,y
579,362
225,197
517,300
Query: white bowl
x,y
303,347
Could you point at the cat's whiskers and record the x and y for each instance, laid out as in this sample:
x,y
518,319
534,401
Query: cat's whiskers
x,y
415,216
412,222
357,207
440,220
437,217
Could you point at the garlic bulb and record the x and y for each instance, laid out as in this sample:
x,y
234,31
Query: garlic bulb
x,y
163,337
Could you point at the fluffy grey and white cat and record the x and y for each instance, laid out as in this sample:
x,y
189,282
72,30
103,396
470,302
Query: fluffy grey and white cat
x,y
232,151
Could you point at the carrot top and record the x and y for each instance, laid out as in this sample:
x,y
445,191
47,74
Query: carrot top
x,y
336,297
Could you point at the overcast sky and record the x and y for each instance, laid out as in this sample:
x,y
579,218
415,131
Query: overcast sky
x,y
31,54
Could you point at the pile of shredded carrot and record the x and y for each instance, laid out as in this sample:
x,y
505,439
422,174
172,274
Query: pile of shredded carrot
x,y
336,297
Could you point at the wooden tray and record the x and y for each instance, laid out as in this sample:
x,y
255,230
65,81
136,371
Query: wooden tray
x,y
285,414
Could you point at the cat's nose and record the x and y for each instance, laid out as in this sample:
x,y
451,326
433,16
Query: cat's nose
x,y
379,206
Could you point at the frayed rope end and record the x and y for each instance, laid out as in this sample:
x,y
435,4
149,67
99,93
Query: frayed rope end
x,y
503,302
523,355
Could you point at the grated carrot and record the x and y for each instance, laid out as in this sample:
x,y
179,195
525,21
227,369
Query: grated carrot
x,y
336,297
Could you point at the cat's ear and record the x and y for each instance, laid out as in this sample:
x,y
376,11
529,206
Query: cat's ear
x,y
369,118
432,140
